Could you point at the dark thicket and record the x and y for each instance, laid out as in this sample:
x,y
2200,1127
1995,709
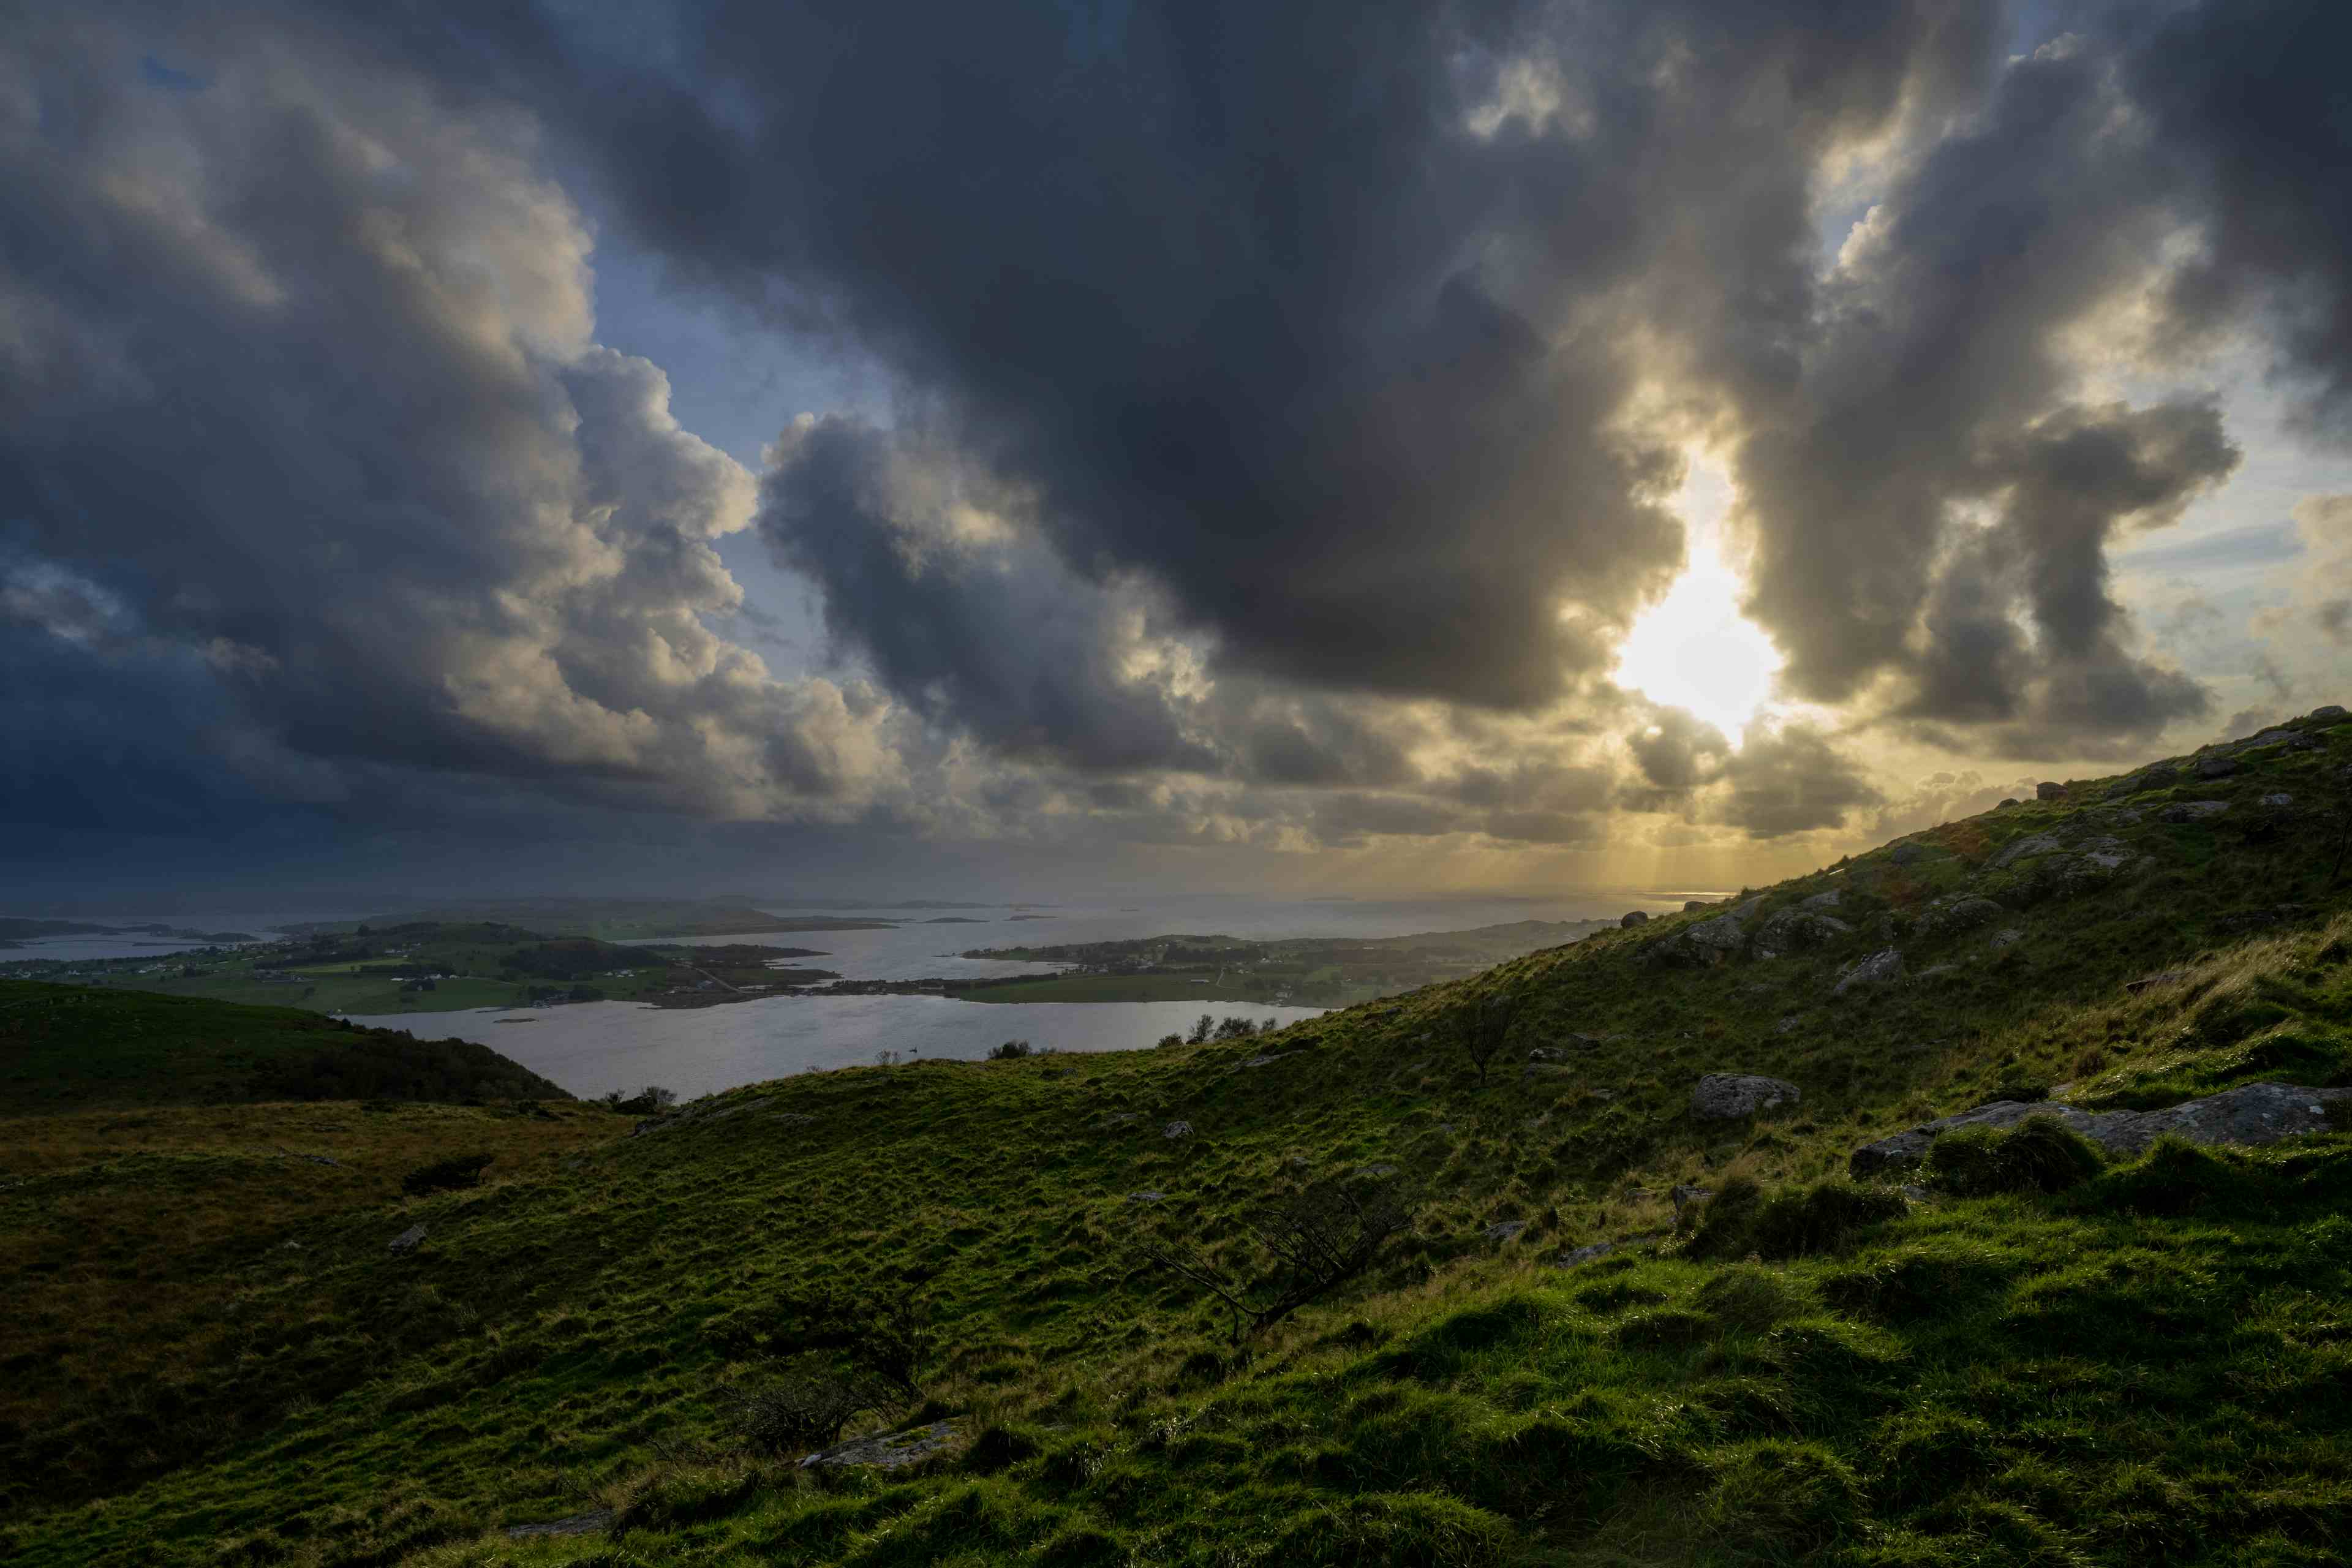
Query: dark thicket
x,y
445,1175
1316,1242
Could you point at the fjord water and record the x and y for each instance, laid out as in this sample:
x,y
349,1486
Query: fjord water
x,y
590,1047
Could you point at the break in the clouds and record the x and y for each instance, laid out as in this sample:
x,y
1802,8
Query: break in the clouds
x,y
1290,408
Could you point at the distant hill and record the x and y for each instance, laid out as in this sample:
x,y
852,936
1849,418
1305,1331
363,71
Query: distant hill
x,y
609,920
71,1046
1664,1288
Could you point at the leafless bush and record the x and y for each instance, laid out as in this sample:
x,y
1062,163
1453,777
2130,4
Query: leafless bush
x,y
878,1342
797,1409
1316,1242
1482,1027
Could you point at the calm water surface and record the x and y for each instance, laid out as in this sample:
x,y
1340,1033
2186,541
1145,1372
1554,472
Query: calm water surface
x,y
591,1048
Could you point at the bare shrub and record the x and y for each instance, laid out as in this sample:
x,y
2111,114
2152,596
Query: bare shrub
x,y
445,1175
1482,1027
1315,1243
795,1410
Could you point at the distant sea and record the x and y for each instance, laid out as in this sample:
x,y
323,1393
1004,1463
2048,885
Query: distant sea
x,y
593,1047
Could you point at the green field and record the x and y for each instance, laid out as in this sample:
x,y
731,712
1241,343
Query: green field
x,y
68,1047
2022,1354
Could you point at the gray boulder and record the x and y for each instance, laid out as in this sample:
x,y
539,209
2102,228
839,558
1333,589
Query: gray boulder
x,y
2278,802
2330,714
1723,1097
1794,930
2216,767
1632,917
2250,1114
1690,904
1880,968
890,1451
2026,848
1708,941
2046,790
1504,1229
1177,1130
588,1524
1829,901
409,1240
2181,811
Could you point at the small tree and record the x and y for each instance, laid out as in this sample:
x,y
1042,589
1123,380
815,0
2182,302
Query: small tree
x,y
1317,1241
1482,1027
1203,1027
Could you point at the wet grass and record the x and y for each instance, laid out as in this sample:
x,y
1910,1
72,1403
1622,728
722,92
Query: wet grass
x,y
2044,1360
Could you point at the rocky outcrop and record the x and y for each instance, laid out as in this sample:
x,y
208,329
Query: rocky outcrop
x,y
1724,1097
1946,916
2250,1114
2046,790
409,1240
2330,714
1177,1130
1794,930
2160,776
1708,941
2025,848
1880,968
891,1451
2184,811
1632,917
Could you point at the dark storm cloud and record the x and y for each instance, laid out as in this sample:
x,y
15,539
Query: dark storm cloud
x,y
1286,398
2072,482
2247,103
979,631
299,405
1939,373
1792,781
1323,317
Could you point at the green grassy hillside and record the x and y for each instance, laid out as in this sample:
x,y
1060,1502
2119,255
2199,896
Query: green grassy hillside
x,y
2021,1352
70,1047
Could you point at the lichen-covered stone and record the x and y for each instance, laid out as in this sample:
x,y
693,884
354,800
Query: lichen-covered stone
x,y
2250,1114
1722,1097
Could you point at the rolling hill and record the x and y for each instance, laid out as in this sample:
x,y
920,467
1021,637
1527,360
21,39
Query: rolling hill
x,y
1647,1250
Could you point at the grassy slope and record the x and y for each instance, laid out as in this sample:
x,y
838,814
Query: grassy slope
x,y
65,1047
2155,1367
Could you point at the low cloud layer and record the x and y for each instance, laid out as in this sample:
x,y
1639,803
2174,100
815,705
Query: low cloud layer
x,y
1287,406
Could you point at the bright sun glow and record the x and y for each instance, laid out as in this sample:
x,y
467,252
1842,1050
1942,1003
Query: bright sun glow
x,y
1693,649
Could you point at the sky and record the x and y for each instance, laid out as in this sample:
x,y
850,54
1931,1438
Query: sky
x,y
910,449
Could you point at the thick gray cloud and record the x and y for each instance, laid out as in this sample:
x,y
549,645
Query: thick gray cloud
x,y
300,392
1286,399
1329,321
